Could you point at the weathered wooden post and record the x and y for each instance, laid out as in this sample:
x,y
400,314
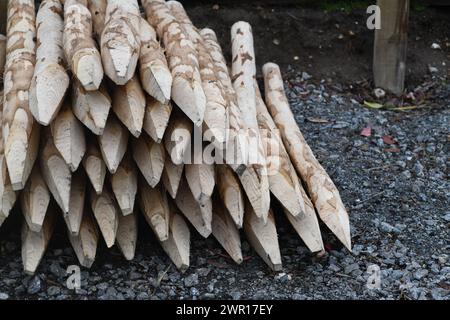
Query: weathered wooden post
x,y
389,61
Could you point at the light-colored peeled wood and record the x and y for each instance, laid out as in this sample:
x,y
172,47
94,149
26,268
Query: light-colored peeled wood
x,y
201,181
231,193
149,157
56,172
216,114
120,41
79,46
155,208
263,237
127,233
20,131
91,107
129,105
85,242
34,200
50,80
124,184
321,188
68,135
187,91
156,118
106,213
178,244
34,244
199,216
171,176
226,232
113,143
95,166
155,75
98,13
177,139
77,203
255,183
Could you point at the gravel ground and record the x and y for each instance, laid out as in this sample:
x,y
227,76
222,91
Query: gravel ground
x,y
396,190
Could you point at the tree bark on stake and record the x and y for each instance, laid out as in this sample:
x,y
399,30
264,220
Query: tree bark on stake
x,y
106,213
85,242
98,13
50,80
155,75
286,186
129,105
177,139
79,46
154,206
282,175
187,91
171,176
216,114
20,131
193,211
236,141
124,184
225,231
56,172
156,118
95,166
34,200
34,244
321,188
255,180
127,233
120,42
77,207
149,157
201,181
2,58
68,135
91,107
178,244
113,143
263,237
7,194
231,193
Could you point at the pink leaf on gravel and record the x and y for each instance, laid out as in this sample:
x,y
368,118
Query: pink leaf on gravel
x,y
366,132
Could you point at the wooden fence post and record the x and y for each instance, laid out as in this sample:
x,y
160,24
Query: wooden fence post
x,y
389,61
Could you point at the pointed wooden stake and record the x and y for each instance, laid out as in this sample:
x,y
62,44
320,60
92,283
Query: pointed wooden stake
x,y
55,171
68,135
324,193
263,237
127,234
200,217
171,176
201,181
113,143
85,242
226,232
255,183
50,80
91,107
34,244
106,213
95,166
231,193
177,139
154,206
124,184
34,200
98,12
129,105
155,74
156,118
178,244
149,157
77,202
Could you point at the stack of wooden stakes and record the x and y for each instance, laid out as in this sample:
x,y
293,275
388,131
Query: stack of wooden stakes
x,y
65,153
